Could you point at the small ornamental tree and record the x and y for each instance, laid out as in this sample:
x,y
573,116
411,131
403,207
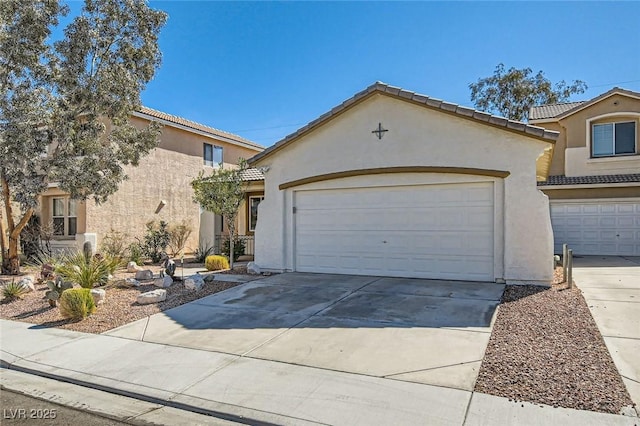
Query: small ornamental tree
x,y
57,99
222,193
511,93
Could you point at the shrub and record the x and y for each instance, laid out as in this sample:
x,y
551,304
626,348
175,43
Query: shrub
x,y
13,291
238,248
77,303
114,244
202,252
135,253
87,273
215,263
155,241
35,238
178,236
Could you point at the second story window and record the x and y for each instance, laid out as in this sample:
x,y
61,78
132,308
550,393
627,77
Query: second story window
x,y
611,139
212,155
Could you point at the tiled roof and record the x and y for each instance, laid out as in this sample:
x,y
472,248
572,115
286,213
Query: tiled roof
x,y
585,180
197,126
397,92
549,111
560,111
252,175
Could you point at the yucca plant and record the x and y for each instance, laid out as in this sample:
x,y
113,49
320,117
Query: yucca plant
x,y
13,291
77,303
87,271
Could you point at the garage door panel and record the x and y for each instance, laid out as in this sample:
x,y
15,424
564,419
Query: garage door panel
x,y
608,227
426,231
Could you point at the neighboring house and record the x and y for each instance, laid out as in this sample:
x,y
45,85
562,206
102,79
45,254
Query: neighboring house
x,y
594,180
157,189
393,183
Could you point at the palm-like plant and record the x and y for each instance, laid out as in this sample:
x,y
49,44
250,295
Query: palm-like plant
x,y
87,271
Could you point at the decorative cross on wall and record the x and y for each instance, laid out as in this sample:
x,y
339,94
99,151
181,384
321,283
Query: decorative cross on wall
x,y
379,131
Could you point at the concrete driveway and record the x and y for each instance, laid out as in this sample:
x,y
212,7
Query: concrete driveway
x,y
424,331
611,287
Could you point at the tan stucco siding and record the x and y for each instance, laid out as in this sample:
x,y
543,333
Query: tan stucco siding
x,y
162,175
572,152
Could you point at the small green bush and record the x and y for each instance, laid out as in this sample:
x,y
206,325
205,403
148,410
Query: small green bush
x,y
114,244
155,241
13,291
77,303
216,263
135,253
238,248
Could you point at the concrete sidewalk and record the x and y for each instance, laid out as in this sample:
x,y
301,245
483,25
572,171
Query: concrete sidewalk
x,y
257,391
611,287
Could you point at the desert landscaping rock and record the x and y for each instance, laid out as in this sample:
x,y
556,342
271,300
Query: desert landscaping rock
x,y
163,282
122,307
133,267
194,282
27,283
144,275
546,348
132,282
252,268
154,296
99,295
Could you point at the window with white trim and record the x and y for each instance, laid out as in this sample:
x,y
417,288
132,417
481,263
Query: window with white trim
x,y
212,155
65,216
254,201
611,139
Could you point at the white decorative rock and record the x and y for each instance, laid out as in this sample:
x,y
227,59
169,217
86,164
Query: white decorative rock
x,y
99,295
27,284
144,275
163,282
132,282
153,296
194,282
133,267
252,268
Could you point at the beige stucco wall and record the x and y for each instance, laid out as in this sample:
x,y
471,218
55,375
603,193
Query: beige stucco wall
x,y
417,137
572,154
165,174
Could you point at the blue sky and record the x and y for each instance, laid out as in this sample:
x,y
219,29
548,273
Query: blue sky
x,y
264,69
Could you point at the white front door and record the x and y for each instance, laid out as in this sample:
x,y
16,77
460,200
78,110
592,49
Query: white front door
x,y
602,227
423,231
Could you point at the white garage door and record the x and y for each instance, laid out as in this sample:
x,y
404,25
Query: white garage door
x,y
597,228
425,231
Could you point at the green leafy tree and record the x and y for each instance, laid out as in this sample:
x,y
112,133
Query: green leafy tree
x,y
65,104
222,193
511,93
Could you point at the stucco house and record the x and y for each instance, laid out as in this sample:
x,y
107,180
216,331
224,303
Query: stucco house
x,y
594,179
394,183
157,189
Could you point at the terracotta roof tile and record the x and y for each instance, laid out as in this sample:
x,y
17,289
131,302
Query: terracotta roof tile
x,y
197,126
252,175
586,180
549,111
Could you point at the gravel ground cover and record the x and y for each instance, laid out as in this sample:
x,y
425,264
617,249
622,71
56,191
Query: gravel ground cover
x,y
119,308
546,348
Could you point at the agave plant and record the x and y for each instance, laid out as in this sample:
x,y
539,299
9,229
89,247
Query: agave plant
x,y
13,290
87,271
56,287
